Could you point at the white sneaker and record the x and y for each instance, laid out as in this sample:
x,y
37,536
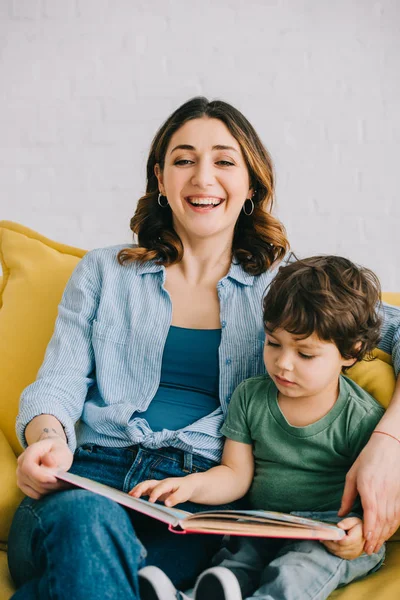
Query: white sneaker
x,y
217,583
154,584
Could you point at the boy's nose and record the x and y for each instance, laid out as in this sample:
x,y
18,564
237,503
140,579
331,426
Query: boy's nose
x,y
284,362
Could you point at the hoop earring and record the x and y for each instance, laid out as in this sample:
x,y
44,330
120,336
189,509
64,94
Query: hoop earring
x,y
159,201
252,207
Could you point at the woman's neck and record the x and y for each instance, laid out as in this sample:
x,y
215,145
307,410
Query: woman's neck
x,y
205,260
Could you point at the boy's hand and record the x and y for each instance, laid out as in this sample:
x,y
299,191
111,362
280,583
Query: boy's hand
x,y
352,546
171,491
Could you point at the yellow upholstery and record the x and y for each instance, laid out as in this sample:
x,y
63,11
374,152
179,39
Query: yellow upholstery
x,y
10,495
6,585
35,272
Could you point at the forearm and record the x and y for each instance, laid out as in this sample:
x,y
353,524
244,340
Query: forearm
x,y
390,422
219,485
44,426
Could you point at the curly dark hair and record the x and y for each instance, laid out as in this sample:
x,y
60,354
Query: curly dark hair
x,y
329,296
258,241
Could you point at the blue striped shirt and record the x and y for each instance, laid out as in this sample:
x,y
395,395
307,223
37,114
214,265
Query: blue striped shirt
x,y
103,362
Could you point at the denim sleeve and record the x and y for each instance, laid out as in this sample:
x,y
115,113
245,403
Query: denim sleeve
x,y
390,333
68,368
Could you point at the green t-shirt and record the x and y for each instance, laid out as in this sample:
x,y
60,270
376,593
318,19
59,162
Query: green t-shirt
x,y
300,468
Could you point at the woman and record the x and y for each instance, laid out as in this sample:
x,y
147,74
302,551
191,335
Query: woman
x,y
149,344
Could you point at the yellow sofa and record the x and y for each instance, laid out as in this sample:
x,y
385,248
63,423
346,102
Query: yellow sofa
x,y
35,271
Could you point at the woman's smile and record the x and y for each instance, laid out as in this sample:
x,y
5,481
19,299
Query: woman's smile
x,y
200,203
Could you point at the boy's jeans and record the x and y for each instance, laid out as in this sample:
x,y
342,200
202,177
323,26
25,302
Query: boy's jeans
x,y
273,569
78,545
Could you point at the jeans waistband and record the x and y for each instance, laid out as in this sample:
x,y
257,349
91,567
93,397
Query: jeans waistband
x,y
185,459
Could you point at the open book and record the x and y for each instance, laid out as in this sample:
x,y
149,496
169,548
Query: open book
x,y
259,523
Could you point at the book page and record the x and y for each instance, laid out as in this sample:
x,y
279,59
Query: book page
x,y
171,516
261,516
258,529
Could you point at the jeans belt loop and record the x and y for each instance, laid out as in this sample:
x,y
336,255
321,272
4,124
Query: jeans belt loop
x,y
187,461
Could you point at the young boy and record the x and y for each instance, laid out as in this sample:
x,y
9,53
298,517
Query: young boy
x,y
291,437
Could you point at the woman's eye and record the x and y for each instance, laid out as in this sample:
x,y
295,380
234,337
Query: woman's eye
x,y
225,163
306,356
183,161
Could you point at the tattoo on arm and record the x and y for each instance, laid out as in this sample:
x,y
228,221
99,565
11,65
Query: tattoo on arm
x,y
49,433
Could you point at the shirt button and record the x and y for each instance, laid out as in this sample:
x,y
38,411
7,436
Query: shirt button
x,y
223,323
228,361
221,283
228,398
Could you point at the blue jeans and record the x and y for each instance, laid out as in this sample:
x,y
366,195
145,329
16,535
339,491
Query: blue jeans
x,y
273,569
77,545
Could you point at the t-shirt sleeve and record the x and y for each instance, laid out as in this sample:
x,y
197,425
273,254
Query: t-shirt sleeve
x,y
236,426
363,429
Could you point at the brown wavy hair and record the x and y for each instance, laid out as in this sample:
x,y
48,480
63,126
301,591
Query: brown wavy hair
x,y
259,240
331,297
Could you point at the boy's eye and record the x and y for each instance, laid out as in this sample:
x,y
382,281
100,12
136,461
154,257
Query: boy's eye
x,y
306,356
273,344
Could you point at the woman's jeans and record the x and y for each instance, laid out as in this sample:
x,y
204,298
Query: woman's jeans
x,y
277,569
78,545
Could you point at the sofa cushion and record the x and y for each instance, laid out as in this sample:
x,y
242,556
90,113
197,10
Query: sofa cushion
x,y
10,495
376,376
35,272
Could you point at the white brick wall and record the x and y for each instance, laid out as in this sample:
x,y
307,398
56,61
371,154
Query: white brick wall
x,y
84,84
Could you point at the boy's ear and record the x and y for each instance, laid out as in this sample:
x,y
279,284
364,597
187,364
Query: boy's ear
x,y
349,362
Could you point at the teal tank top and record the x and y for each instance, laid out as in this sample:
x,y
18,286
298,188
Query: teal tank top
x,y
189,379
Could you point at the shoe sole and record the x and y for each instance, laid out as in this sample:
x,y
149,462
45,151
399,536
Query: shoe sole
x,y
147,591
155,585
210,587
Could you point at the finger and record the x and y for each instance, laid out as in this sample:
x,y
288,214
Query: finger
x,y
162,489
356,532
26,482
179,496
330,545
142,488
390,526
334,550
36,492
394,524
371,526
36,473
49,460
30,492
381,540
348,523
349,494
383,536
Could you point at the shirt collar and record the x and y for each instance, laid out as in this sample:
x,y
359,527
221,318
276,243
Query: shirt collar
x,y
236,272
149,267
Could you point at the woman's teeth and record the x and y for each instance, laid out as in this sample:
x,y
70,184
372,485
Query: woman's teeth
x,y
204,201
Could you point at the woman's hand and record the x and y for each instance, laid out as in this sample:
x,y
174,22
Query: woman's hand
x,y
352,546
171,491
35,470
375,475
